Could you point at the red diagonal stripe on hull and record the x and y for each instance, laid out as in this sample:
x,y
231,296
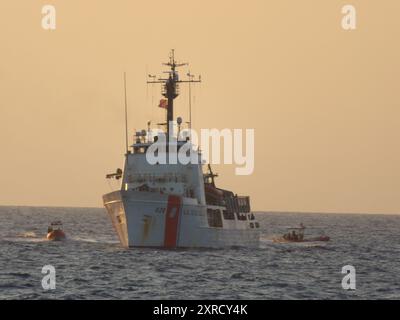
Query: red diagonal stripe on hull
x,y
171,221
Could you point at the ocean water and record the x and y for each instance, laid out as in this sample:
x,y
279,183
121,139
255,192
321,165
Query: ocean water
x,y
92,265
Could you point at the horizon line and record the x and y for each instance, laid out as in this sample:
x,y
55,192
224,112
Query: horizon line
x,y
255,211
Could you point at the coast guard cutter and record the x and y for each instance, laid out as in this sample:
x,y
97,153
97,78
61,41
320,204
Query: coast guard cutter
x,y
175,205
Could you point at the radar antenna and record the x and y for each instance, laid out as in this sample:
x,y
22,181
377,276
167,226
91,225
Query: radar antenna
x,y
170,87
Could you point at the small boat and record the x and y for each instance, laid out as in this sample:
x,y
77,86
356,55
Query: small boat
x,y
55,231
321,238
297,235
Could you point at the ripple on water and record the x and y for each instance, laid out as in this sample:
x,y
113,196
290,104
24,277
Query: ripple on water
x,y
92,265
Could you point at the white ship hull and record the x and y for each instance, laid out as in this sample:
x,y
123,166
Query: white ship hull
x,y
145,219
166,203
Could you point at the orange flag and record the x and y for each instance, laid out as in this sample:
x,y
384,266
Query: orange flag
x,y
163,103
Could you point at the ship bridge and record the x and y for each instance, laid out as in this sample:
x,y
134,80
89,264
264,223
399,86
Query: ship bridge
x,y
172,177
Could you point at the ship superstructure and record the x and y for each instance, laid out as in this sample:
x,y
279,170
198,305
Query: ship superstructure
x,y
175,205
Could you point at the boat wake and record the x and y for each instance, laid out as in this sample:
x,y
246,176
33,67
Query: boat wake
x,y
93,240
268,241
26,236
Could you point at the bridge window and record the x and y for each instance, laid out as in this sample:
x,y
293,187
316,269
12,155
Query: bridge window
x,y
243,204
241,216
228,215
214,218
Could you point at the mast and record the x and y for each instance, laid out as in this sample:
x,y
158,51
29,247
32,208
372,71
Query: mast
x,y
170,88
126,117
190,76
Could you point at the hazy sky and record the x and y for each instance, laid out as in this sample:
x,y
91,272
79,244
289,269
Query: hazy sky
x,y
324,102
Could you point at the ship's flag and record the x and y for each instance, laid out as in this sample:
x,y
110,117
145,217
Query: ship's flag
x,y
163,103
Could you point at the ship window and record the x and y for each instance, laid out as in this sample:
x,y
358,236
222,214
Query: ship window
x,y
214,218
251,216
228,215
241,216
251,225
243,204
257,224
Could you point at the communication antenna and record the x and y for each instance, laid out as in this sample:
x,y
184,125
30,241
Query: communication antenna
x,y
126,116
148,130
170,87
191,78
179,122
153,77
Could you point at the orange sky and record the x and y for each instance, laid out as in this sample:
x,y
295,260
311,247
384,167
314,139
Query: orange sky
x,y
324,102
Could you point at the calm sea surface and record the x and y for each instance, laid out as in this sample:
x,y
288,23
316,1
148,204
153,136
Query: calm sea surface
x,y
92,265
